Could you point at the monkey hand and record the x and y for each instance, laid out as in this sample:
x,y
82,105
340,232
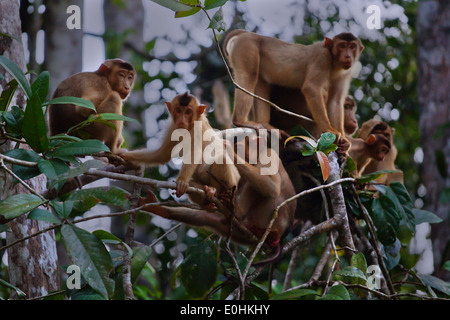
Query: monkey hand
x,y
343,145
182,187
210,192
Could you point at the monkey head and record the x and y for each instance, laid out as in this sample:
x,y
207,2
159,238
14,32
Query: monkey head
x,y
345,48
379,146
184,110
120,75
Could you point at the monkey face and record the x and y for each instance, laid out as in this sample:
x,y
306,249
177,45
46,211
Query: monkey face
x,y
125,82
350,122
346,52
183,117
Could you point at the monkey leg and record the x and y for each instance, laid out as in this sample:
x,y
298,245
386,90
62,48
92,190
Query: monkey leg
x,y
246,72
112,138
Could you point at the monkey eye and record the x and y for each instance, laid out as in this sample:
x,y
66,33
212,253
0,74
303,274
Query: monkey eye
x,y
352,46
188,111
342,45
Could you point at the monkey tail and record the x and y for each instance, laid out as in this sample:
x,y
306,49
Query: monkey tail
x,y
273,259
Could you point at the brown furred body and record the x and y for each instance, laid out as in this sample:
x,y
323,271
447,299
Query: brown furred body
x,y
106,88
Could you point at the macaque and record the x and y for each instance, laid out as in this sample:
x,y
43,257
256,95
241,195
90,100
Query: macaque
x,y
218,175
350,122
378,127
321,71
293,99
376,147
106,88
255,200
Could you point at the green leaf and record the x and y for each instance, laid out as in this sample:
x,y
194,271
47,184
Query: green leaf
x,y
172,5
446,265
325,141
24,173
40,86
114,116
294,294
71,100
211,4
217,22
384,218
34,125
340,291
182,14
108,195
138,261
199,270
63,209
74,172
83,147
107,237
17,74
405,203
66,137
435,283
359,261
329,296
89,253
87,294
351,275
43,215
8,94
391,254
350,165
421,216
19,204
369,177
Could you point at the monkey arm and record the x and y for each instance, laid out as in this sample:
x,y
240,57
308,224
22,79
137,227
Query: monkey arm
x,y
151,157
185,175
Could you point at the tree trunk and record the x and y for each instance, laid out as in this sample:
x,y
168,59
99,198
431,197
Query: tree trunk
x,y
32,264
433,44
63,47
120,20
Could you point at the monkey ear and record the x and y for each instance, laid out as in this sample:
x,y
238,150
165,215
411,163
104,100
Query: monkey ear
x,y
103,68
328,42
371,139
361,47
201,108
169,106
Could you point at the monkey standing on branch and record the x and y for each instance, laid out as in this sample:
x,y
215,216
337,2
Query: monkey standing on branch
x,y
106,88
185,110
322,71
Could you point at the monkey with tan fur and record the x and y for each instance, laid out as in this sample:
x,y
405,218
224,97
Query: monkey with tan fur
x,y
106,88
